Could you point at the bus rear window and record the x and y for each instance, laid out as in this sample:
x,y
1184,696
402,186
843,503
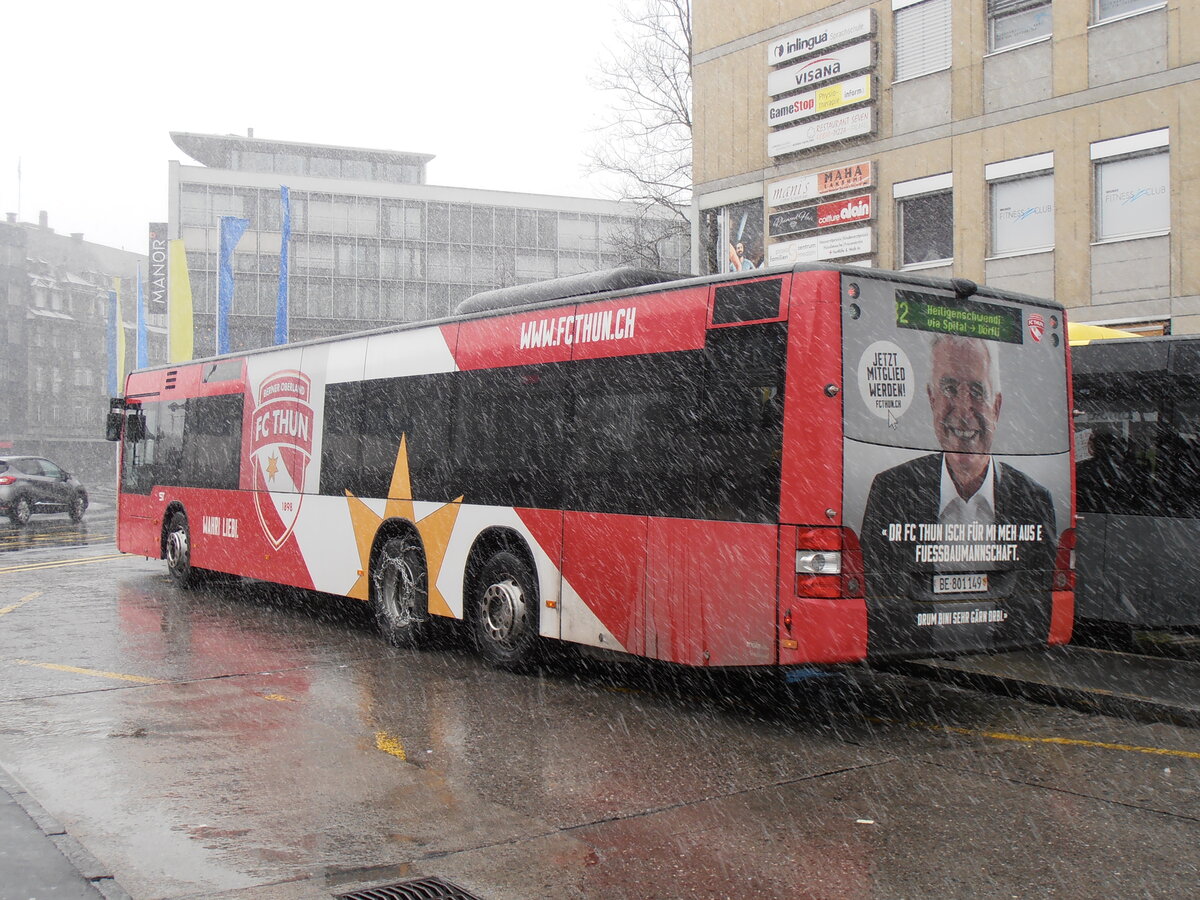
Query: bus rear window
x,y
747,302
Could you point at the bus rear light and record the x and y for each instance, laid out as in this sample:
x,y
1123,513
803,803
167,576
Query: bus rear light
x,y
819,562
828,563
1064,562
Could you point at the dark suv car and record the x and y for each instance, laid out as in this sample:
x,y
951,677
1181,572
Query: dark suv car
x,y
30,484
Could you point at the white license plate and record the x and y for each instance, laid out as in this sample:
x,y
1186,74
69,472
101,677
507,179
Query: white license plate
x,y
960,584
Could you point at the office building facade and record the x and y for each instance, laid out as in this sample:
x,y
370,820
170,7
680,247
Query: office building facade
x,y
371,243
1042,147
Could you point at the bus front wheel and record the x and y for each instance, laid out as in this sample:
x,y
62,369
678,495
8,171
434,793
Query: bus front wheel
x,y
504,614
177,550
400,591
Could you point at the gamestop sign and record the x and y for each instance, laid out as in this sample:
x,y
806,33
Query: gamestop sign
x,y
811,103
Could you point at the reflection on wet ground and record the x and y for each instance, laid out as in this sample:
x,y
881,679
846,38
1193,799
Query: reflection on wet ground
x,y
271,738
53,531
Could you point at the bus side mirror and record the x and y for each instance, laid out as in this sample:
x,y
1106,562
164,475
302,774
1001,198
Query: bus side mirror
x,y
112,427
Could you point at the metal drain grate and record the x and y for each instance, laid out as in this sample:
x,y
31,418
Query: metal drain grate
x,y
420,889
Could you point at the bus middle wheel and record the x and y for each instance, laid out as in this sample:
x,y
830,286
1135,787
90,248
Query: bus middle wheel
x,y
400,591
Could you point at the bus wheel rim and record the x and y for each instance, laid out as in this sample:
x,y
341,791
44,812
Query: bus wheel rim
x,y
503,611
398,591
177,544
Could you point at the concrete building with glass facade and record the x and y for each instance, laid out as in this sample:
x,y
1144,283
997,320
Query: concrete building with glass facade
x,y
1049,148
371,242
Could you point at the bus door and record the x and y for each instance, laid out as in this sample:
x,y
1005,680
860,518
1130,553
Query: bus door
x,y
616,435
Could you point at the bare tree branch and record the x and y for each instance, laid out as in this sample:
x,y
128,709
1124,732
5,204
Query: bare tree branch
x,y
647,140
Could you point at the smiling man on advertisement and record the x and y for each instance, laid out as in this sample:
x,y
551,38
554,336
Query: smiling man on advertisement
x,y
960,510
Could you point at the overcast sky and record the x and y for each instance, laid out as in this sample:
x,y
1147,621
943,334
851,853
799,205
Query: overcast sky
x,y
498,92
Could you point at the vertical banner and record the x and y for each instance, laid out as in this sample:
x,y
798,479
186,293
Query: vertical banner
x,y
179,305
116,341
232,229
143,354
156,273
111,342
281,307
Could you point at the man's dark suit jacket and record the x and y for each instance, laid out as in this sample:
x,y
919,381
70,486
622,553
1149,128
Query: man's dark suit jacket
x,y
911,492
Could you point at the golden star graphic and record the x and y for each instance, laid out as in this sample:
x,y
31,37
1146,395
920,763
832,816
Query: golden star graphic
x,y
272,467
434,529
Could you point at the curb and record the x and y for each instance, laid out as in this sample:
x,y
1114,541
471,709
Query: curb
x,y
1091,700
88,867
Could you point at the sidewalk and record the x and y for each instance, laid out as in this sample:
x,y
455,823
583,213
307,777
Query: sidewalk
x,y
39,860
1147,688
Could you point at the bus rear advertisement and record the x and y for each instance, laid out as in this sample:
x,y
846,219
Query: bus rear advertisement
x,y
809,465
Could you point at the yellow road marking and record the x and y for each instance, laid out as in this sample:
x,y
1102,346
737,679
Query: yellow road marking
x,y
278,697
140,679
6,610
1069,742
32,567
389,744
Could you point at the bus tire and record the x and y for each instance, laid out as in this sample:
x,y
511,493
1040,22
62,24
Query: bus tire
x,y
177,550
400,591
504,612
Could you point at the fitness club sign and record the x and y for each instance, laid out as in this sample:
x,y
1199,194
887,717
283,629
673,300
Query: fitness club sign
x,y
280,451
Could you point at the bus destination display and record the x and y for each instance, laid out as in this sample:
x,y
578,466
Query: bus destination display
x,y
947,315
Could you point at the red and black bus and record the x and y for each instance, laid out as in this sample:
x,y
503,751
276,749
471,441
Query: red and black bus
x,y
792,466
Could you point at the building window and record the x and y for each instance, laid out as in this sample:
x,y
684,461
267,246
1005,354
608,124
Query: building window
x,y
324,165
193,207
577,233
731,237
226,204
1103,10
1015,22
925,220
922,37
1133,196
406,221
1021,192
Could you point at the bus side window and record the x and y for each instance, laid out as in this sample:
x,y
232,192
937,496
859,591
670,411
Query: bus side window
x,y
742,430
1122,467
212,442
341,440
508,437
635,441
417,408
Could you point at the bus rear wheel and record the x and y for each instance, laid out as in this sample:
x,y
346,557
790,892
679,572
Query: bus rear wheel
x,y
504,613
400,591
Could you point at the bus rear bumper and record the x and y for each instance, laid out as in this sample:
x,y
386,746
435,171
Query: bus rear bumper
x,y
822,630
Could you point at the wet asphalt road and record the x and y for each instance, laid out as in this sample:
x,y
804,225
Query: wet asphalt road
x,y
242,741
